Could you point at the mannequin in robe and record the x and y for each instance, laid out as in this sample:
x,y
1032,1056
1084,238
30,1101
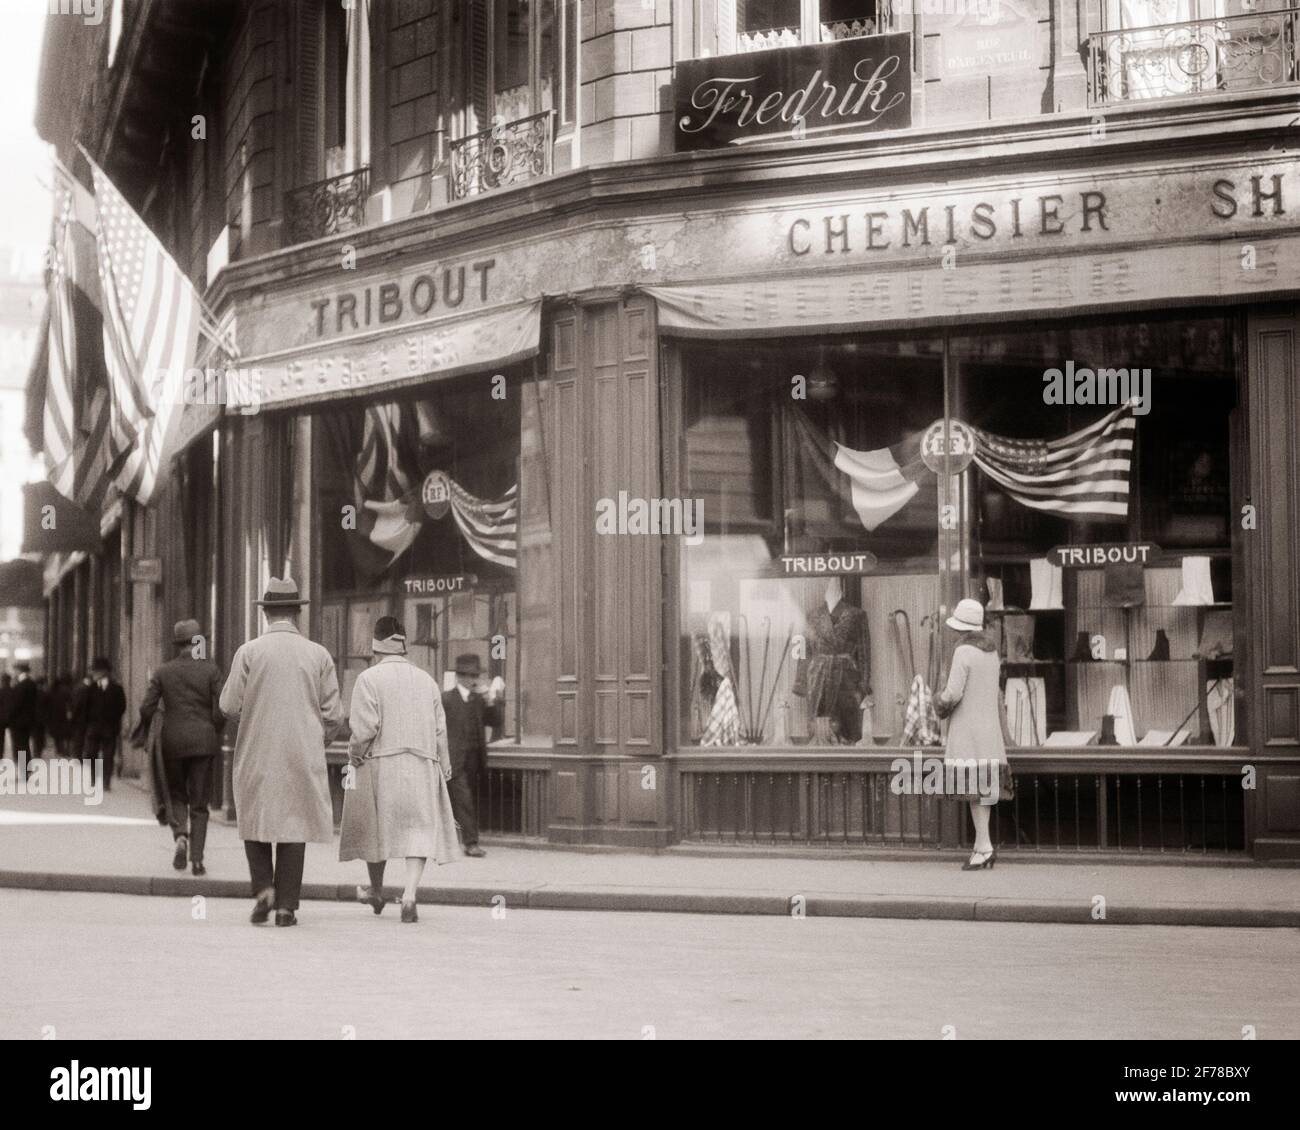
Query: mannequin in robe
x,y
839,664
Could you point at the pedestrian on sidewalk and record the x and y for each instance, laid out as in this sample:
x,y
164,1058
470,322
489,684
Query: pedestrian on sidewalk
x,y
23,706
469,711
398,806
6,704
41,725
102,708
78,696
284,690
59,707
977,731
188,690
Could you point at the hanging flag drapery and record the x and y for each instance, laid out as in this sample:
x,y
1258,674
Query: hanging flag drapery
x,y
389,506
1083,475
75,416
152,320
490,527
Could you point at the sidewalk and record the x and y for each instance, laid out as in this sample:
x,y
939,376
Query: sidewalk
x,y
56,843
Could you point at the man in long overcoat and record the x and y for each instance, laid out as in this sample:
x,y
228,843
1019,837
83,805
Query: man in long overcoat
x,y
469,713
188,687
284,690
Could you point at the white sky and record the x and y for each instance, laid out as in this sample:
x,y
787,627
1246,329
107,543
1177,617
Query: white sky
x,y
24,202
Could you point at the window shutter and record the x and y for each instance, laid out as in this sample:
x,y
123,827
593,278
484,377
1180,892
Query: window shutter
x,y
480,89
308,48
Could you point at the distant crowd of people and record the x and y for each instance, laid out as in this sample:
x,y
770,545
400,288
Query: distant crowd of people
x,y
69,717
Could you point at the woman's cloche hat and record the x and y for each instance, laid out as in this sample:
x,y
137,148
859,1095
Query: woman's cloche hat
x,y
968,616
389,637
281,594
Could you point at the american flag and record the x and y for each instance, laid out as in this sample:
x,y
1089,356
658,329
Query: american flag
x,y
152,320
489,527
75,416
1085,474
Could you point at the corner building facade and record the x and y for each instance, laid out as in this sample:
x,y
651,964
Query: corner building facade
x,y
498,263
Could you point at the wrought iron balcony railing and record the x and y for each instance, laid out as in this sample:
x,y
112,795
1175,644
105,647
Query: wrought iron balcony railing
x,y
327,207
1252,51
507,153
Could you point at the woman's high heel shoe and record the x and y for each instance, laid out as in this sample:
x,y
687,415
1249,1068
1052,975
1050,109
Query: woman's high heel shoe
x,y
368,897
987,862
408,912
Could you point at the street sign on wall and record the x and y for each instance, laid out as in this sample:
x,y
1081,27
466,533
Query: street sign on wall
x,y
794,92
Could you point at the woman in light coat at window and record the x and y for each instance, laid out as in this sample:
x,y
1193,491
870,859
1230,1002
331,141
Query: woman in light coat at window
x,y
975,752
398,806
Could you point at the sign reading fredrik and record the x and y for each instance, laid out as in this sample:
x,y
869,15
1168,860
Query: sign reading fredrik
x,y
794,91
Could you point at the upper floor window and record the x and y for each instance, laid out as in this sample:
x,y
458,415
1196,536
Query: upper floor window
x,y
758,25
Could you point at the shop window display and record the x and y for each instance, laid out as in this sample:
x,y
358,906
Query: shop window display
x,y
836,535
424,516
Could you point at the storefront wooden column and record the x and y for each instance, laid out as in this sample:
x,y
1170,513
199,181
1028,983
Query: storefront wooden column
x,y
1271,673
607,785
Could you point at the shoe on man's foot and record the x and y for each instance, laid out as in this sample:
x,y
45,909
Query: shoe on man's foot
x,y
181,856
198,868
474,851
262,907
285,918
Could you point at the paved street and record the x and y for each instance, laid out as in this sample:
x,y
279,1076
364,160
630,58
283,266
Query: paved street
x,y
123,966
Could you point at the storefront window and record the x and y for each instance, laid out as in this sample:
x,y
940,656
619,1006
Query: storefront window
x,y
833,543
420,503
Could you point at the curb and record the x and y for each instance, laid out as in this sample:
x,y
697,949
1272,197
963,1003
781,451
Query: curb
x,y
674,901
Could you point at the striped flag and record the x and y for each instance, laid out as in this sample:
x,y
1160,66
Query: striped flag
x,y
1083,475
489,527
75,417
152,320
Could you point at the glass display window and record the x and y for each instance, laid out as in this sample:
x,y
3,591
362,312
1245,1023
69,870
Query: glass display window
x,y
421,508
855,487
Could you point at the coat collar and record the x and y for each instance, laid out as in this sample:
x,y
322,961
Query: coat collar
x,y
282,626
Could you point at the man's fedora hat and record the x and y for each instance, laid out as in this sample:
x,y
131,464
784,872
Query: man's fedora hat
x,y
468,664
281,594
184,631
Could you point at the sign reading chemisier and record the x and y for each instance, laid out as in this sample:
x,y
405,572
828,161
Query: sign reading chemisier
x,y
794,91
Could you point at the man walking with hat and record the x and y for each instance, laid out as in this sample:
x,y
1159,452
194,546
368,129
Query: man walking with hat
x,y
100,713
188,687
468,713
284,690
23,705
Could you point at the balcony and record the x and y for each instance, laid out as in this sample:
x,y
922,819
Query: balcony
x,y
873,19
326,207
506,154
1253,51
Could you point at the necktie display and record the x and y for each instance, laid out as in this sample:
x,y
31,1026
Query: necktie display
x,y
1161,649
1219,702
1120,711
1026,701
1197,588
1044,585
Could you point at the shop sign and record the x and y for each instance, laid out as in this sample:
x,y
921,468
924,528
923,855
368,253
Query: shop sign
x,y
145,570
948,447
972,44
1103,553
436,495
794,91
828,564
439,584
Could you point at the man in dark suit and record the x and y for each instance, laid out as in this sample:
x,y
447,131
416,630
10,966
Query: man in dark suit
x,y
102,708
23,706
189,689
468,713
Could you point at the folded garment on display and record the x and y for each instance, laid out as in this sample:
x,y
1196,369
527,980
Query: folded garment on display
x,y
1070,737
1216,636
993,585
1121,711
1165,737
1197,588
1219,702
1125,585
1044,585
1026,701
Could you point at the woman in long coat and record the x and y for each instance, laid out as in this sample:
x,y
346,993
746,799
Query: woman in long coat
x,y
976,747
398,806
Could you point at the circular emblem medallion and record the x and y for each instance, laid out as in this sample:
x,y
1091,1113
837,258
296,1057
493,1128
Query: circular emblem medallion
x,y
960,447
436,495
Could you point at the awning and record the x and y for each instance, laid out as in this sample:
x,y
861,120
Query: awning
x,y
53,524
845,301
385,360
